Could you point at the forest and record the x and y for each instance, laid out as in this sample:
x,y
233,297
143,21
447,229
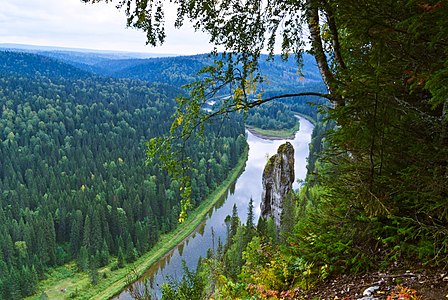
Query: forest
x,y
280,77
376,195
73,178
375,198
75,185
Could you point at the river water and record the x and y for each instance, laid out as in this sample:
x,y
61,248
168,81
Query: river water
x,y
246,186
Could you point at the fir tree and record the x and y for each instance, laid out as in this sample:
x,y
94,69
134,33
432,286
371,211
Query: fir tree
x,y
83,259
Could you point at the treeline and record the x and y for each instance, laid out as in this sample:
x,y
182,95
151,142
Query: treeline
x,y
73,179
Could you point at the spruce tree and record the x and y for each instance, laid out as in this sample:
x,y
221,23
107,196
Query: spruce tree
x,y
94,276
234,222
250,215
288,217
120,258
86,241
83,259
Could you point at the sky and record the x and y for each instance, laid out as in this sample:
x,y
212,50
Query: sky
x,y
100,26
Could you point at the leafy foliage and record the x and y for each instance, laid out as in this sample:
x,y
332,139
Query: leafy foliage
x,y
381,186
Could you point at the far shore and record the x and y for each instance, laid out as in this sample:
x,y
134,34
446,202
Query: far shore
x,y
273,137
285,134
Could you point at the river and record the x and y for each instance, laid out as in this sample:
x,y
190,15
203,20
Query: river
x,y
246,186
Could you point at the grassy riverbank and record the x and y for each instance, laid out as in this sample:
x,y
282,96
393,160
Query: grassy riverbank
x,y
65,283
275,134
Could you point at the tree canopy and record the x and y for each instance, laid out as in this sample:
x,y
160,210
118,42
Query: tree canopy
x,y
341,34
385,67
73,179
384,64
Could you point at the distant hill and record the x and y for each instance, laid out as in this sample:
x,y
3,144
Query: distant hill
x,y
28,64
111,54
281,75
84,59
174,70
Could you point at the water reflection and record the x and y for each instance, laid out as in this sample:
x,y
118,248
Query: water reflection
x,y
246,186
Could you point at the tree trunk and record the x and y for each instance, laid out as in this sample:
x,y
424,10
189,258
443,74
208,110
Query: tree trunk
x,y
318,50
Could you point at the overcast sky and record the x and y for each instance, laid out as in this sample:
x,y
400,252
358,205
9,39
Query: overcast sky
x,y
74,24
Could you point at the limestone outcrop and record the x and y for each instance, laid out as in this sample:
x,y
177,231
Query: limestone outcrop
x,y
278,177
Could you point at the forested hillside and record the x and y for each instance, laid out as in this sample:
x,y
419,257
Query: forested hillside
x,y
25,64
73,179
280,76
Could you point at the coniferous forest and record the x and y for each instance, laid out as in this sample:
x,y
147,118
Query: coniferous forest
x,y
76,186
376,194
74,183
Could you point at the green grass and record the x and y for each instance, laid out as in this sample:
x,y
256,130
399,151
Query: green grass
x,y
65,283
278,134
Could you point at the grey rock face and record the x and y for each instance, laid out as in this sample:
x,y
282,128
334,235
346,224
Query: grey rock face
x,y
278,177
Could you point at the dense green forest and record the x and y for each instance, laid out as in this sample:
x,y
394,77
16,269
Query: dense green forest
x,y
376,197
73,179
377,192
281,76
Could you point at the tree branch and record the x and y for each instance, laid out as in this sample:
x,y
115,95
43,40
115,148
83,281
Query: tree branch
x,y
234,108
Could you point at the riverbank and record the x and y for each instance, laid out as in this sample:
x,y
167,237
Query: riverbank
x,y
284,134
267,134
65,283
306,117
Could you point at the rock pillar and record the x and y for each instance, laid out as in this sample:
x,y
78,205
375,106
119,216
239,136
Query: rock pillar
x,y
278,177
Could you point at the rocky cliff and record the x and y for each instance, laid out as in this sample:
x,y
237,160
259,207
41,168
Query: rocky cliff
x,y
278,177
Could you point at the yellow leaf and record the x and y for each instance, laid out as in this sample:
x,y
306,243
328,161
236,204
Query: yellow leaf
x,y
179,120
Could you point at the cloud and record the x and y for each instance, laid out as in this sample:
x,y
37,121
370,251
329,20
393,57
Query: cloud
x,y
71,23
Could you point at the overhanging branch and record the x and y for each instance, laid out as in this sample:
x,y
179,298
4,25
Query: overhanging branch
x,y
234,107
259,102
